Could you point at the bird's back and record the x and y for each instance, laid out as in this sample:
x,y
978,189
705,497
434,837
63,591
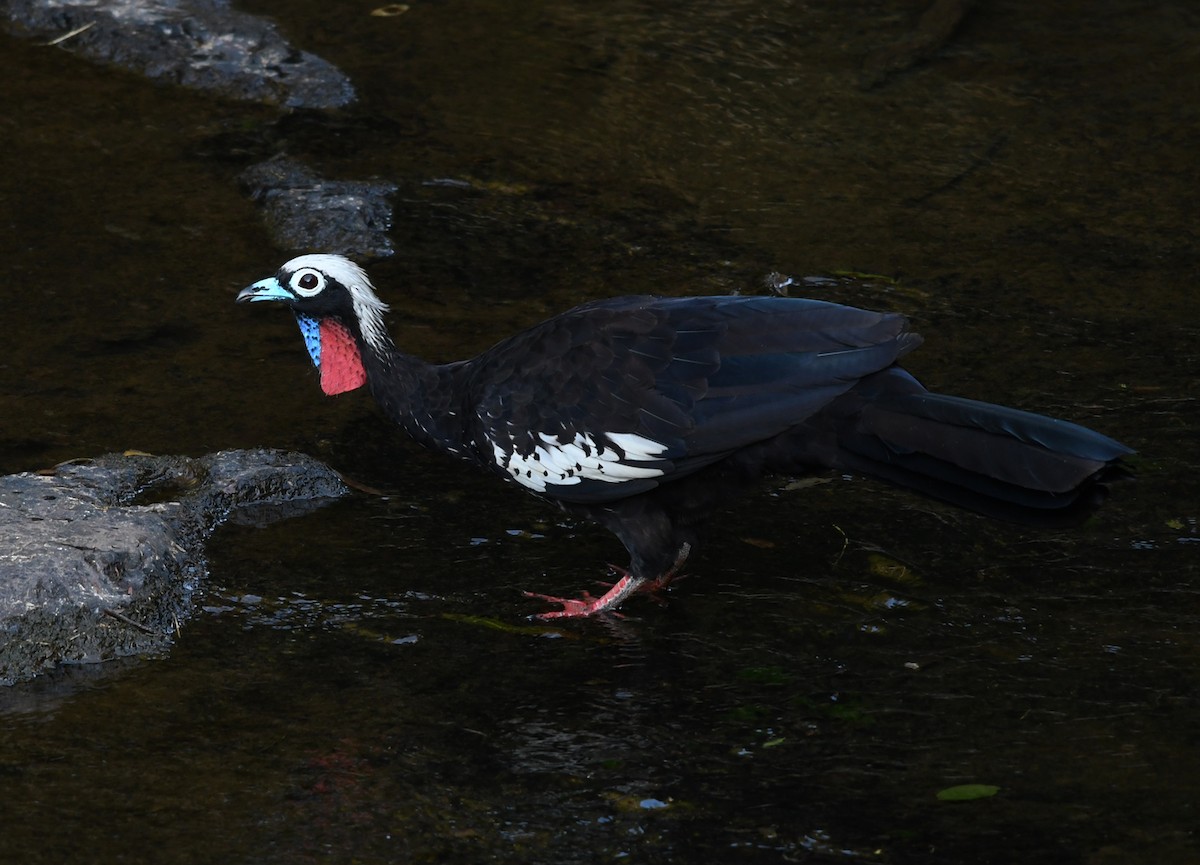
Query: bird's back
x,y
618,396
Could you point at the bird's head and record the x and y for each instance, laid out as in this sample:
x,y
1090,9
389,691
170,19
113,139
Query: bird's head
x,y
339,313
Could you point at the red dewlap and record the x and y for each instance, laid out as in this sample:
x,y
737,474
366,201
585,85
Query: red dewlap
x,y
341,363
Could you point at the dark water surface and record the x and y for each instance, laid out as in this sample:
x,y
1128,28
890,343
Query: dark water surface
x,y
363,684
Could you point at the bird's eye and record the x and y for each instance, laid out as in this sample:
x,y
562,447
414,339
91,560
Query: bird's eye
x,y
307,282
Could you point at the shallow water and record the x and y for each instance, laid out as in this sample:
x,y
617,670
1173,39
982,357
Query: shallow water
x,y
362,683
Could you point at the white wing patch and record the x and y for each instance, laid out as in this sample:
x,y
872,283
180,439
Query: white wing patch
x,y
555,463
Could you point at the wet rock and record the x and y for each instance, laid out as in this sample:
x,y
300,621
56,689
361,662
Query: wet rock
x,y
206,45
197,43
305,212
99,559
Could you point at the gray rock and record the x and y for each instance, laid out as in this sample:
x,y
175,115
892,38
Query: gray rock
x,y
202,44
305,212
100,559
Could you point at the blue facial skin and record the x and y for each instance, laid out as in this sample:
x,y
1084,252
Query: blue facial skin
x,y
310,329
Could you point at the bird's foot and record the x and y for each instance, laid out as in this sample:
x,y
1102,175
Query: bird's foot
x,y
578,608
656,589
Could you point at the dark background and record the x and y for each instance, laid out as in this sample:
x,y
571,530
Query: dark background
x,y
362,685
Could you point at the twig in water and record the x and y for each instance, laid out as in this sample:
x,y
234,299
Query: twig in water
x,y
80,29
124,619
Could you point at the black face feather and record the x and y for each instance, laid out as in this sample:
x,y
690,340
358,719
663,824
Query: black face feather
x,y
317,294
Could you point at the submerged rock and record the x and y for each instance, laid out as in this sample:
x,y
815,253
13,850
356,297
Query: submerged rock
x,y
99,559
304,211
206,45
202,44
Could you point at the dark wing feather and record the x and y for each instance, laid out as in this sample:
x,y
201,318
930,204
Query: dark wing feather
x,y
702,377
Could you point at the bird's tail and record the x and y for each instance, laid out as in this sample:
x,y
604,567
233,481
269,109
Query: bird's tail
x,y
999,461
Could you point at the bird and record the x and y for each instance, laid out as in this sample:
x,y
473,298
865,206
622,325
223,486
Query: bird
x,y
646,414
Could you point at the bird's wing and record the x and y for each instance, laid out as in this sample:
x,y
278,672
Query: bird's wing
x,y
616,397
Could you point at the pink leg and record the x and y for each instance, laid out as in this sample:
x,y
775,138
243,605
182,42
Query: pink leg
x,y
578,608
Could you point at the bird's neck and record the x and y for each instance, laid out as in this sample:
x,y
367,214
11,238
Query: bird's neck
x,y
419,396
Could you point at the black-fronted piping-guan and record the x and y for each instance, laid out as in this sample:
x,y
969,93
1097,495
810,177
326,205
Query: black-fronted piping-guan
x,y
645,414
